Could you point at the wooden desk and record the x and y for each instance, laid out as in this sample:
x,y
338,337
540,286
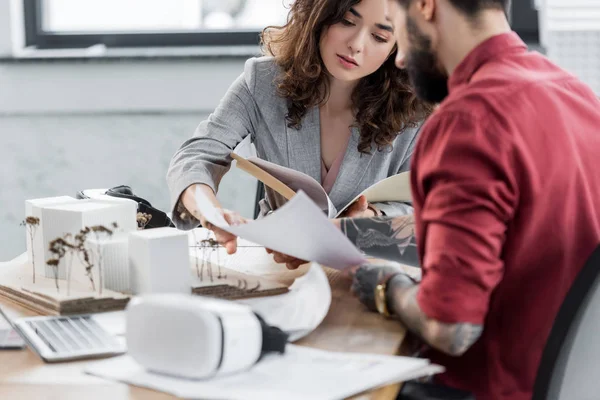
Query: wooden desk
x,y
347,327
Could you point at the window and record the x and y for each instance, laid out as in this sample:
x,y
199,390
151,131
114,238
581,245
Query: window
x,y
52,24
55,24
524,20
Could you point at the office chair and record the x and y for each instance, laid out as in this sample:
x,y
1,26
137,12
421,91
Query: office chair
x,y
260,194
570,364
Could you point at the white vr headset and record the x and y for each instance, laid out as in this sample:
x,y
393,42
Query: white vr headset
x,y
196,337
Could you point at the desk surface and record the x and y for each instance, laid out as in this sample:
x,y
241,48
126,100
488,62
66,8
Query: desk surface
x,y
348,326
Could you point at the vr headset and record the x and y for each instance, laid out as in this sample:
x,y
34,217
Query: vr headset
x,y
196,337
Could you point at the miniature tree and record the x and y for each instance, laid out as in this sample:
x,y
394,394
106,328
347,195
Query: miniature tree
x,y
143,219
80,245
196,255
32,224
209,244
58,247
97,231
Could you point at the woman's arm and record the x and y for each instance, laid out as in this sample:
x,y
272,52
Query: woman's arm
x,y
390,238
204,158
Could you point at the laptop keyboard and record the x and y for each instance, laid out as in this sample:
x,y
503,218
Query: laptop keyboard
x,y
68,338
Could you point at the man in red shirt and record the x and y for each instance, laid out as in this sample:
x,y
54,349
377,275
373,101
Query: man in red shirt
x,y
506,188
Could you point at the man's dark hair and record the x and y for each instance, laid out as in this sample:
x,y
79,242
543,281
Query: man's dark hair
x,y
472,7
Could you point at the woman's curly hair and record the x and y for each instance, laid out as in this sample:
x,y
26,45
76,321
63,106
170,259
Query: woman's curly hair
x,y
385,103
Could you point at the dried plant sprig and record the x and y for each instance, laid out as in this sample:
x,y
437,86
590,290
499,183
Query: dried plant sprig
x,y
32,224
80,239
214,246
84,255
196,255
98,230
58,248
143,219
77,244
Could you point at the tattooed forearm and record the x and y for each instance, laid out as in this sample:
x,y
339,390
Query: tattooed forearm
x,y
453,339
391,238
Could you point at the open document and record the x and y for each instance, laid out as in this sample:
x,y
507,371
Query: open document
x,y
299,373
287,181
299,228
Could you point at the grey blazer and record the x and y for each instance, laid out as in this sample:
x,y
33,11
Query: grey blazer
x,y
252,107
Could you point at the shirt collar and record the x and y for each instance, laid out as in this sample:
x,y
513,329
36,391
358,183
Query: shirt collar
x,y
484,52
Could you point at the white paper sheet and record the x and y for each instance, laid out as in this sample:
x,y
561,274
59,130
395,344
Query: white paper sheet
x,y
299,228
302,309
300,373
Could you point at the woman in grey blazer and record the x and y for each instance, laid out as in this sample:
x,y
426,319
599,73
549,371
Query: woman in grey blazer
x,y
330,102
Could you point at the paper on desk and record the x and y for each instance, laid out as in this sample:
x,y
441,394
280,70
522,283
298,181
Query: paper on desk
x,y
302,309
300,373
298,229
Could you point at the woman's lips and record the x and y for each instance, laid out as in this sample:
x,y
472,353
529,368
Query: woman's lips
x,y
347,62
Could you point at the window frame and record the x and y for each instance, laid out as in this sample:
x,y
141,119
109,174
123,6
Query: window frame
x,y
524,20
35,36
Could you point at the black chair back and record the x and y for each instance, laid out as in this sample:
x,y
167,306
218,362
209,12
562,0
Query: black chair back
x,y
577,311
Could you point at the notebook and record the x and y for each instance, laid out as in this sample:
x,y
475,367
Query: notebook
x,y
287,182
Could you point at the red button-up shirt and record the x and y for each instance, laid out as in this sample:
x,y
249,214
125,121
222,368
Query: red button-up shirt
x,y
506,185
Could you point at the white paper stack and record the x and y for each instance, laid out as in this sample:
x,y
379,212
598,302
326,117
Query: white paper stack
x,y
70,218
159,261
38,247
300,373
114,253
570,33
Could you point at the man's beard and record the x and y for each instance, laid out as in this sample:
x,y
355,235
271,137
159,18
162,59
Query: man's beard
x,y
430,83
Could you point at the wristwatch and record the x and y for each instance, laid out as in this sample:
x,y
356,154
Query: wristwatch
x,y
381,298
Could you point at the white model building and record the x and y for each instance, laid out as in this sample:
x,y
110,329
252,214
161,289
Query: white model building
x,y
159,261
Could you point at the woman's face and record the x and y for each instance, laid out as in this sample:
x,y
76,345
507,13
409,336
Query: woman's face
x,y
359,44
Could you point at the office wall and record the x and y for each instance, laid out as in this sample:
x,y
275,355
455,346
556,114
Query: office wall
x,y
52,155
5,36
116,86
69,125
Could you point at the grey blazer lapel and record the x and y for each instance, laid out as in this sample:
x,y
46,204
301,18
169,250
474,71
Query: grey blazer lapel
x,y
354,167
304,145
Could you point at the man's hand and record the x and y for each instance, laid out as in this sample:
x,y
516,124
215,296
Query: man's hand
x,y
225,239
367,277
451,338
358,209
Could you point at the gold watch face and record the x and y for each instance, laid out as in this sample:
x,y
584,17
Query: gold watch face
x,y
380,299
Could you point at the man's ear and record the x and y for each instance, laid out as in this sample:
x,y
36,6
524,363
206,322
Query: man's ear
x,y
426,8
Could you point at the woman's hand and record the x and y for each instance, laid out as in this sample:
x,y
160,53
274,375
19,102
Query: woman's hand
x,y
225,239
359,209
289,261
